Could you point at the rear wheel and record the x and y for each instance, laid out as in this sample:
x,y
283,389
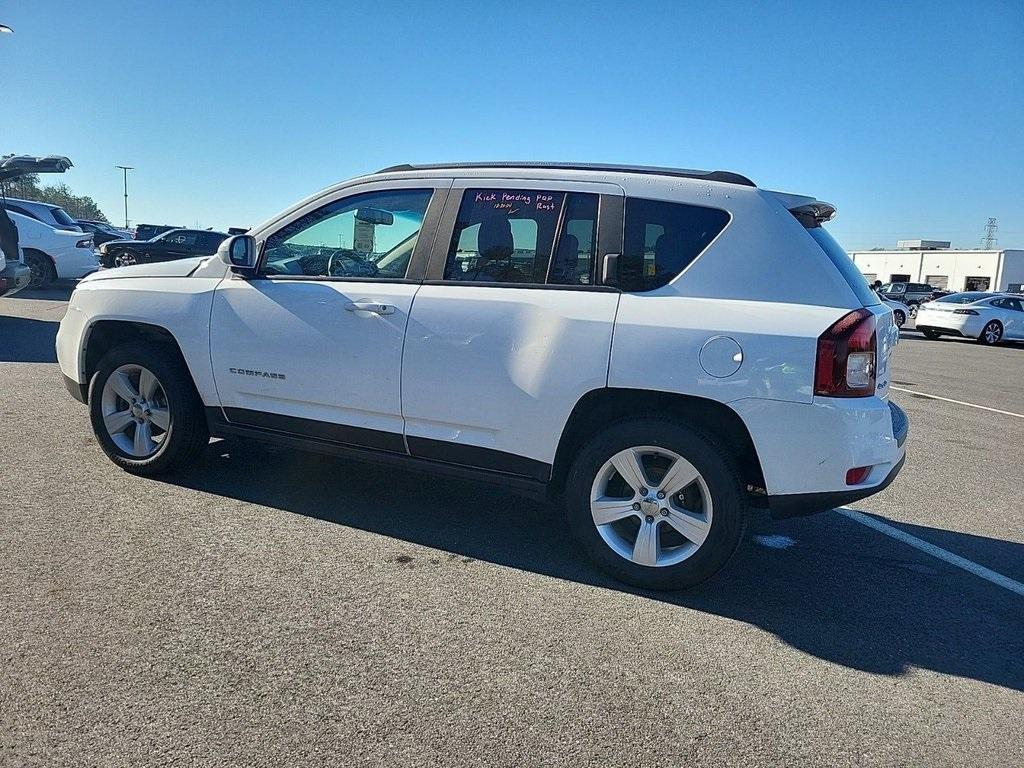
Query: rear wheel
x,y
145,411
656,504
41,267
933,335
991,333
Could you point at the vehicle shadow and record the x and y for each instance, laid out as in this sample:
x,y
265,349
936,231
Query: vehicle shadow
x,y
842,592
58,291
24,340
913,335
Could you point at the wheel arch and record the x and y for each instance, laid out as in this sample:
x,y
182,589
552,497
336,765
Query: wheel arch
x,y
105,335
50,260
600,407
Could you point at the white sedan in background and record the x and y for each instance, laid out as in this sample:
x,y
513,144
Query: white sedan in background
x,y
899,309
987,317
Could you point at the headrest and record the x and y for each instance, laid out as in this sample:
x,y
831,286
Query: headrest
x,y
494,240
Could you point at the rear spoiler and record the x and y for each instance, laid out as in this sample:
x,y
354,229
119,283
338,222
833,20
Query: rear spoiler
x,y
22,165
808,211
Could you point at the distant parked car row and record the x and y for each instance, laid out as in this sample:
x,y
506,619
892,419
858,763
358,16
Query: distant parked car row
x,y
167,246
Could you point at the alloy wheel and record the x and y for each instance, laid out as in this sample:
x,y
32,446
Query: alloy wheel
x,y
124,259
135,411
992,332
651,506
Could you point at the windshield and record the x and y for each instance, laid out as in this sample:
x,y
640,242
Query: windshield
x,y
854,277
968,297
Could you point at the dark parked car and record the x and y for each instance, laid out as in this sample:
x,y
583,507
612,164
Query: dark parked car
x,y
149,231
101,233
171,245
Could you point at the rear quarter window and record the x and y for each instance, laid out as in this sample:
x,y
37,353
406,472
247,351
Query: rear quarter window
x,y
661,239
842,261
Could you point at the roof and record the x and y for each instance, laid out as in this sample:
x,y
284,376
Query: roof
x,y
724,176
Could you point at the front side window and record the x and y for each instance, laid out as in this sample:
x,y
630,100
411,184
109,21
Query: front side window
x,y
661,239
524,236
183,238
368,236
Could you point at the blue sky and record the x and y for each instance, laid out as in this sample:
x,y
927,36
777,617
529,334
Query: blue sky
x,y
908,116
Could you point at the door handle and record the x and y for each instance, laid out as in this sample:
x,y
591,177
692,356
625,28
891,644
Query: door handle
x,y
370,306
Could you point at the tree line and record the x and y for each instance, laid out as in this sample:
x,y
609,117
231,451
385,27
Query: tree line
x,y
78,206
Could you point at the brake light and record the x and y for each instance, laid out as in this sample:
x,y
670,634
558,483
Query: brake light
x,y
965,312
845,365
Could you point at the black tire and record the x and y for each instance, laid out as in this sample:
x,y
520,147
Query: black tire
x,y
127,257
899,317
716,466
991,334
187,433
41,268
933,335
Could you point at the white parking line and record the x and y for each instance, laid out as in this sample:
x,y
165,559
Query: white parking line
x,y
942,554
958,402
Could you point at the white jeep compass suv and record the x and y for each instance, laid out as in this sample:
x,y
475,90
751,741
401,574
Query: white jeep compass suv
x,y
660,349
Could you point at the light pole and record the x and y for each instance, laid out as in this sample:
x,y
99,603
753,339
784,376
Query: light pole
x,y
125,168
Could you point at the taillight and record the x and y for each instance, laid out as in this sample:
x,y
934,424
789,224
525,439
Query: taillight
x,y
965,312
845,365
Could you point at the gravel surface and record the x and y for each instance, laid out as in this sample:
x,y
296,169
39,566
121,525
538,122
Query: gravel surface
x,y
277,609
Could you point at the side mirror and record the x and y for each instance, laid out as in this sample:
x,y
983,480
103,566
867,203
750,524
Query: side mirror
x,y
239,253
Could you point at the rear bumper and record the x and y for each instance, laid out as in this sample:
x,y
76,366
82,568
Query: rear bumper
x,y
798,504
14,277
968,326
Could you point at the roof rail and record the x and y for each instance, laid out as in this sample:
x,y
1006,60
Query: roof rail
x,y
724,176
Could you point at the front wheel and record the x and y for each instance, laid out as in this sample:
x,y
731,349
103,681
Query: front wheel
x,y
900,317
913,311
656,504
124,259
991,333
145,411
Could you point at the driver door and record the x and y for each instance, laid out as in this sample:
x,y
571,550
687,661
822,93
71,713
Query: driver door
x,y
312,344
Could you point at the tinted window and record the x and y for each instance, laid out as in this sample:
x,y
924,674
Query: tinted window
x,y
182,237
23,211
62,218
523,236
369,236
661,239
209,242
846,267
1015,305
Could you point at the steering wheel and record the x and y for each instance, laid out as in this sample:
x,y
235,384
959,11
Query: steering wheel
x,y
340,255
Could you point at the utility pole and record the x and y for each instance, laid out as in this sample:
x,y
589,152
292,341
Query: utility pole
x,y
990,239
125,168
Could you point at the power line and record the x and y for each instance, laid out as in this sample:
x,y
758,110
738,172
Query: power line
x,y
989,241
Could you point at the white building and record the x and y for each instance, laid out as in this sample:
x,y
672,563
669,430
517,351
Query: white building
x,y
945,268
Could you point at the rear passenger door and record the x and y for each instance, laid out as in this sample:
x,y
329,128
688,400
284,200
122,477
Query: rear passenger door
x,y
511,327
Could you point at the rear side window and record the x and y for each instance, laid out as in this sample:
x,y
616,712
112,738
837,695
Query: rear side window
x,y
846,267
524,236
661,239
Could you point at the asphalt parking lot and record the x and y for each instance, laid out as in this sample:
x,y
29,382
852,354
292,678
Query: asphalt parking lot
x,y
280,609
